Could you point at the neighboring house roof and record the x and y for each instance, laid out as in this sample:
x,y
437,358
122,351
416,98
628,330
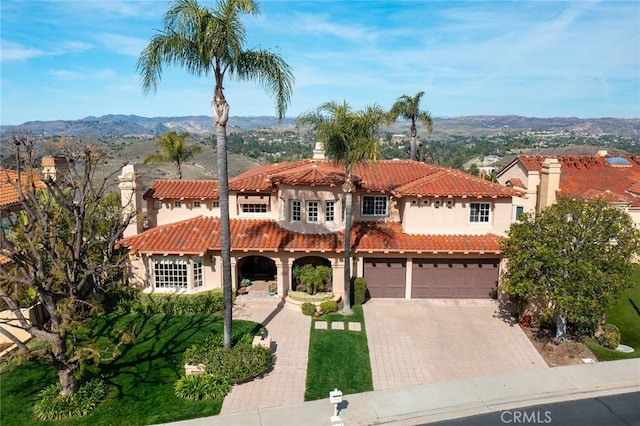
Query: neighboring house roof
x,y
399,177
200,234
183,189
9,195
593,175
516,182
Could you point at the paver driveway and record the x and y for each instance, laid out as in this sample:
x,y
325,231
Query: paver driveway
x,y
428,340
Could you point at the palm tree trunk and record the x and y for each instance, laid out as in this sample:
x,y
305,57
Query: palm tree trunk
x,y
348,208
221,114
413,148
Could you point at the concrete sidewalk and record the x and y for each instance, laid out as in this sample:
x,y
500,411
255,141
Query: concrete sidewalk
x,y
447,400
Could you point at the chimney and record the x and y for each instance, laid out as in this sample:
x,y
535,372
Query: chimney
x,y
549,183
53,167
318,151
131,197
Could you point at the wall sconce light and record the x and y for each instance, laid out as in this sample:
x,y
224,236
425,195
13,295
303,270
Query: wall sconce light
x,y
213,260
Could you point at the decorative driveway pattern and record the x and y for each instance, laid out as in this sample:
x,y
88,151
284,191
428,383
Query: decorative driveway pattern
x,y
413,342
289,331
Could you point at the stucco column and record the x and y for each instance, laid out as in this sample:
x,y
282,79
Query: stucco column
x,y
549,182
234,274
282,275
337,265
408,278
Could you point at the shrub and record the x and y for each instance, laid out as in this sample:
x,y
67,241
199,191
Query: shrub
x,y
359,290
313,278
308,308
51,405
128,300
610,336
329,306
304,297
196,388
242,362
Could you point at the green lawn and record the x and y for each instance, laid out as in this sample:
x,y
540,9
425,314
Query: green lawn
x,y
338,358
625,314
141,379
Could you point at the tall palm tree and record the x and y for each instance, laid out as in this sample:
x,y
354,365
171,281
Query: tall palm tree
x,y
408,108
173,149
349,138
210,41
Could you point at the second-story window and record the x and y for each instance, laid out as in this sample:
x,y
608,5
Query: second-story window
x,y
177,204
254,208
374,205
196,204
216,204
479,212
329,211
313,208
296,211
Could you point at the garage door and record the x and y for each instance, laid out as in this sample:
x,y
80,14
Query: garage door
x,y
454,278
385,277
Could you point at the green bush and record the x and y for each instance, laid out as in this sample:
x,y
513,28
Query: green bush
x,y
329,306
308,309
242,362
302,296
610,336
314,278
129,300
206,387
359,290
51,405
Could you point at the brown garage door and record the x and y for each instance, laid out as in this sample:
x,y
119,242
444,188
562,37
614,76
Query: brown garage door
x,y
454,278
385,277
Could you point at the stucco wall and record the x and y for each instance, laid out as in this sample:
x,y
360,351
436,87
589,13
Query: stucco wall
x,y
429,219
168,213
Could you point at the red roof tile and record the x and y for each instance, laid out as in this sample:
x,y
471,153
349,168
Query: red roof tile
x,y
516,182
403,177
583,175
183,189
450,182
196,236
8,186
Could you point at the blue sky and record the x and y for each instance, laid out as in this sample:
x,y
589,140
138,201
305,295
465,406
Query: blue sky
x,y
71,59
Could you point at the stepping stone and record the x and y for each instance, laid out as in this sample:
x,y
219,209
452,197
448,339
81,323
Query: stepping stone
x,y
337,325
355,326
321,325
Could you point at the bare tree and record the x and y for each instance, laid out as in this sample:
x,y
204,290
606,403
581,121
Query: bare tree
x,y
61,245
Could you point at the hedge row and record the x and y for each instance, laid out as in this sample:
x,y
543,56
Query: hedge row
x,y
130,300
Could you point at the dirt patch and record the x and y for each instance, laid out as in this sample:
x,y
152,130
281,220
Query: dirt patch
x,y
566,353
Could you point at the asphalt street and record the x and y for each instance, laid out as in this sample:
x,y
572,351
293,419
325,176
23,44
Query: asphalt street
x,y
612,410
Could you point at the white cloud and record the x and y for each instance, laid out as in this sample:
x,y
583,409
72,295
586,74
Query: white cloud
x,y
65,74
128,46
14,51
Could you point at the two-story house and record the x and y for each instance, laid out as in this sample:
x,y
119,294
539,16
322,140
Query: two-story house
x,y
419,230
545,178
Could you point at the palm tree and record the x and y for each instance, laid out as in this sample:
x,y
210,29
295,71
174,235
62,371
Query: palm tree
x,y
173,149
409,109
210,41
349,138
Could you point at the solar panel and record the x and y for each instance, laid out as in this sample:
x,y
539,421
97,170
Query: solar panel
x,y
617,161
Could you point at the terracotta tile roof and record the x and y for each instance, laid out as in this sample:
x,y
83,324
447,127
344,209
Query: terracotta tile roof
x,y
450,182
183,189
516,182
402,177
196,236
8,189
591,174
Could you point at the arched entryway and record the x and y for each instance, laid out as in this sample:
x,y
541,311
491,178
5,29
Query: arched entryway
x,y
256,268
307,260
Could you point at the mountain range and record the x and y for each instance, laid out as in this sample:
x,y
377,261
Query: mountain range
x,y
117,125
